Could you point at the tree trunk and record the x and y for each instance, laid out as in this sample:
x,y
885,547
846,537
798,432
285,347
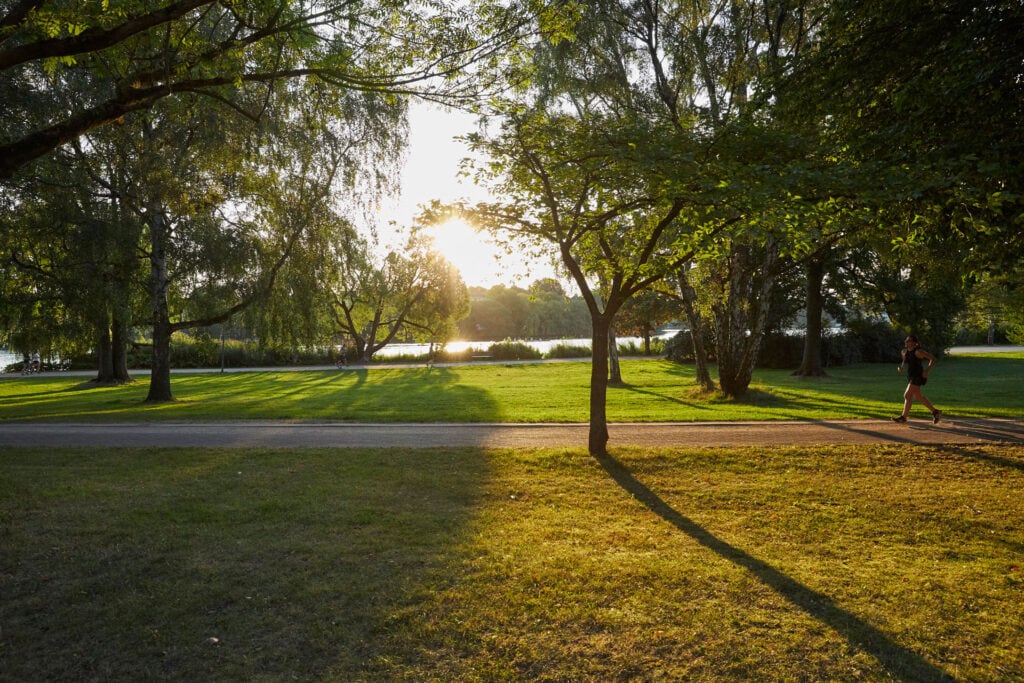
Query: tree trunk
x,y
810,366
741,318
104,353
700,353
160,377
598,438
119,349
614,369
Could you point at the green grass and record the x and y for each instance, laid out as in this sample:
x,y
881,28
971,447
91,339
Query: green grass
x,y
849,563
656,390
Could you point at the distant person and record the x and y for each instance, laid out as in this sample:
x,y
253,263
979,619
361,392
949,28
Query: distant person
x,y
917,374
36,364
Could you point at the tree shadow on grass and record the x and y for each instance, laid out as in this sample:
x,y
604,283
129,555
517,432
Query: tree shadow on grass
x,y
902,663
420,395
226,564
698,403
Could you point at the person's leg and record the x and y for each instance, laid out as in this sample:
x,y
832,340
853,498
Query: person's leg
x,y
914,392
908,399
923,401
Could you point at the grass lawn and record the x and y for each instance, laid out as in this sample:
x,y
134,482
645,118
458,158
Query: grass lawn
x,y
656,390
868,563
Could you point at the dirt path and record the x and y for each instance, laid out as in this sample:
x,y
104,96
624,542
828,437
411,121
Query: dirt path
x,y
342,435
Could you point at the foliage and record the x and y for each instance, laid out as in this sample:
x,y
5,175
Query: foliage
x,y
928,97
862,341
512,350
413,292
200,350
543,311
568,351
66,69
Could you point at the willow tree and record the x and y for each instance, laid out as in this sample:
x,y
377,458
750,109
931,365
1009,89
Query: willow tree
x,y
244,119
75,246
68,68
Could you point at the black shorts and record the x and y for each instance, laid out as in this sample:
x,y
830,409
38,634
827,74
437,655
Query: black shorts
x,y
919,381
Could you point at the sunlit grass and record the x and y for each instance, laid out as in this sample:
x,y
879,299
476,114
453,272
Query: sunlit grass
x,y
655,390
847,563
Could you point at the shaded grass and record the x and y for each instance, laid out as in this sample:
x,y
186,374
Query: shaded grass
x,y
866,563
655,390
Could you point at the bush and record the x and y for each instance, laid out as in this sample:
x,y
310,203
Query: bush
x,y
632,348
877,340
840,349
978,336
569,351
513,350
679,348
779,350
863,342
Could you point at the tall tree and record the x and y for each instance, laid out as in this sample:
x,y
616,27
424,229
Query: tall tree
x,y
66,69
707,71
928,96
584,186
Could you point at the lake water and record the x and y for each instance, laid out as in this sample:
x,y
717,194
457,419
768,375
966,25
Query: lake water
x,y
7,358
543,346
392,350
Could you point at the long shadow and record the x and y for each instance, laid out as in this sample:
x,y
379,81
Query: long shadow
x,y
982,430
970,454
886,436
698,405
439,388
301,568
902,663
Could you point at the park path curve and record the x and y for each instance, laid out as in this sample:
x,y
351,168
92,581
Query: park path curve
x,y
288,434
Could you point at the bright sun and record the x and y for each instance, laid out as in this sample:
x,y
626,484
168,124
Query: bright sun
x,y
470,252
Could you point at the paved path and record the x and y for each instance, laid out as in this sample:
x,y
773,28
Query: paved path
x,y
346,435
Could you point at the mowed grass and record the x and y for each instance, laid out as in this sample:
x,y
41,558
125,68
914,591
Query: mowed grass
x,y
849,563
655,390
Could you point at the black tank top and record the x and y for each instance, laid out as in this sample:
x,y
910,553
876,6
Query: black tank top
x,y
915,368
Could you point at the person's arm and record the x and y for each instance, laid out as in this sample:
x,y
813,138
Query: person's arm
x,y
922,354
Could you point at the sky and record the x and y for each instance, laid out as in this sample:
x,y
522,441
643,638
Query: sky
x,y
431,172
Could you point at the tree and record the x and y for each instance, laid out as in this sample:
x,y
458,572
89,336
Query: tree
x,y
72,242
413,292
582,186
926,96
66,69
708,73
643,313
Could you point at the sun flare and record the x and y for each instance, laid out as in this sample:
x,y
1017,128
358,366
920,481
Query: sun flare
x,y
471,252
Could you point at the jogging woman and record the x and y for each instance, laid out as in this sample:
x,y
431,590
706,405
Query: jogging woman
x,y
917,373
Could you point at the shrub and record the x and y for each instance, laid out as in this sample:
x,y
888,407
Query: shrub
x,y
840,349
569,351
679,348
633,348
513,350
877,340
779,350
